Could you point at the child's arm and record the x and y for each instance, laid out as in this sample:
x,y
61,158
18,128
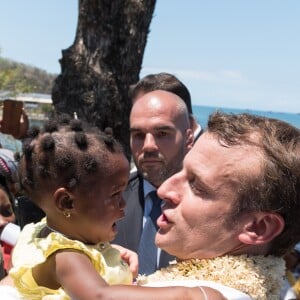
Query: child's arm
x,y
71,270
161,293
130,257
81,284
78,277
80,280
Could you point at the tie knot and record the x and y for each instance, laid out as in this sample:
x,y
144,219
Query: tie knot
x,y
155,199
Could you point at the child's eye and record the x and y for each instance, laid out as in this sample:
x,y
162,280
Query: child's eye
x,y
116,195
6,211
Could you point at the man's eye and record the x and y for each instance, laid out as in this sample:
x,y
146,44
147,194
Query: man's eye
x,y
193,188
162,134
196,189
138,135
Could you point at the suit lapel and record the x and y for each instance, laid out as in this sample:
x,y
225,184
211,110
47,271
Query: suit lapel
x,y
130,227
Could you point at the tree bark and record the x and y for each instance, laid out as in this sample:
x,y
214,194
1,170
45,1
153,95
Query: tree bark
x,y
104,60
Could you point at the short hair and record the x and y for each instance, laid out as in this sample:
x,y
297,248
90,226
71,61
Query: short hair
x,y
64,152
162,81
277,188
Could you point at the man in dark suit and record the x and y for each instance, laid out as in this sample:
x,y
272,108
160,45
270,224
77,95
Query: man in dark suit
x,y
160,136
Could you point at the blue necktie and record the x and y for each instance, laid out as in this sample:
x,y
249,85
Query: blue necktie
x,y
147,251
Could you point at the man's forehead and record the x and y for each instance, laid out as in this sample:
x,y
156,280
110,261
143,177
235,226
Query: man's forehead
x,y
209,153
155,128
157,101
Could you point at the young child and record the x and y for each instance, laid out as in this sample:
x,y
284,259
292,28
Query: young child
x,y
77,178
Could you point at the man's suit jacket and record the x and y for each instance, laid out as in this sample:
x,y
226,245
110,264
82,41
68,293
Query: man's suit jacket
x,y
131,226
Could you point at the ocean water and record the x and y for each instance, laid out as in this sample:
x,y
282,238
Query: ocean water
x,y
202,113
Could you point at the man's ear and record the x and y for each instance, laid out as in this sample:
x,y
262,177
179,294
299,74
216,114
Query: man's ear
x,y
262,229
190,139
63,200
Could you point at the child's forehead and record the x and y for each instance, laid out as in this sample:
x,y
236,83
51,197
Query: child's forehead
x,y
116,161
113,172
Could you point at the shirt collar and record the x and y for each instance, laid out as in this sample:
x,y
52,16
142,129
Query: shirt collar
x,y
148,187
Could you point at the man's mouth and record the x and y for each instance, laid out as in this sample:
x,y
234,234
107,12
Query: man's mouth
x,y
163,222
150,161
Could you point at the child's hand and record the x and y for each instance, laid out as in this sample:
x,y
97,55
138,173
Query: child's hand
x,y
130,257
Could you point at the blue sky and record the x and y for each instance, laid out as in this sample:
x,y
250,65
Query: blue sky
x,y
230,53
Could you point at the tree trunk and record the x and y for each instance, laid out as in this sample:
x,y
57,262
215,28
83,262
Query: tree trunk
x,y
105,59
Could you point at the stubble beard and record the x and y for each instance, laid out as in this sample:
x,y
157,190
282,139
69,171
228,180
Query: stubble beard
x,y
157,176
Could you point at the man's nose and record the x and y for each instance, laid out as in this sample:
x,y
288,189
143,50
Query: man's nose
x,y
171,189
149,143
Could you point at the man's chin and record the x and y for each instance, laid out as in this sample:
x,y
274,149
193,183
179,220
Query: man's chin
x,y
156,176
152,177
161,240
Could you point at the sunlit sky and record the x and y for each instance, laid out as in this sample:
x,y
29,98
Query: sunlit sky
x,y
230,53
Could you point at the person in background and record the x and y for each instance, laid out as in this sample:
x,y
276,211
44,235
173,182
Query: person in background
x,y
140,189
6,216
9,170
8,189
170,83
160,137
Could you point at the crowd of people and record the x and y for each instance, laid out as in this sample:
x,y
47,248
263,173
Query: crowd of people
x,y
204,214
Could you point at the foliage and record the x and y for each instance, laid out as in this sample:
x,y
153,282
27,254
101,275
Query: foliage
x,y
21,78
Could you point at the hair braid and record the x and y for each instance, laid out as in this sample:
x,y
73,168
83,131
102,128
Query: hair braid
x,y
64,153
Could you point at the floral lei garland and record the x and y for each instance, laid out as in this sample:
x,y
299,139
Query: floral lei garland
x,y
258,276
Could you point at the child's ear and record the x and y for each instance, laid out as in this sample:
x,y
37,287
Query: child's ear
x,y
63,200
262,229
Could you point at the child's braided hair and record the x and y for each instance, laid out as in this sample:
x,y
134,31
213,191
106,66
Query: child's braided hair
x,y
65,152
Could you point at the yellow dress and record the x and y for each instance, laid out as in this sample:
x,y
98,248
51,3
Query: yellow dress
x,y
31,251
294,283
